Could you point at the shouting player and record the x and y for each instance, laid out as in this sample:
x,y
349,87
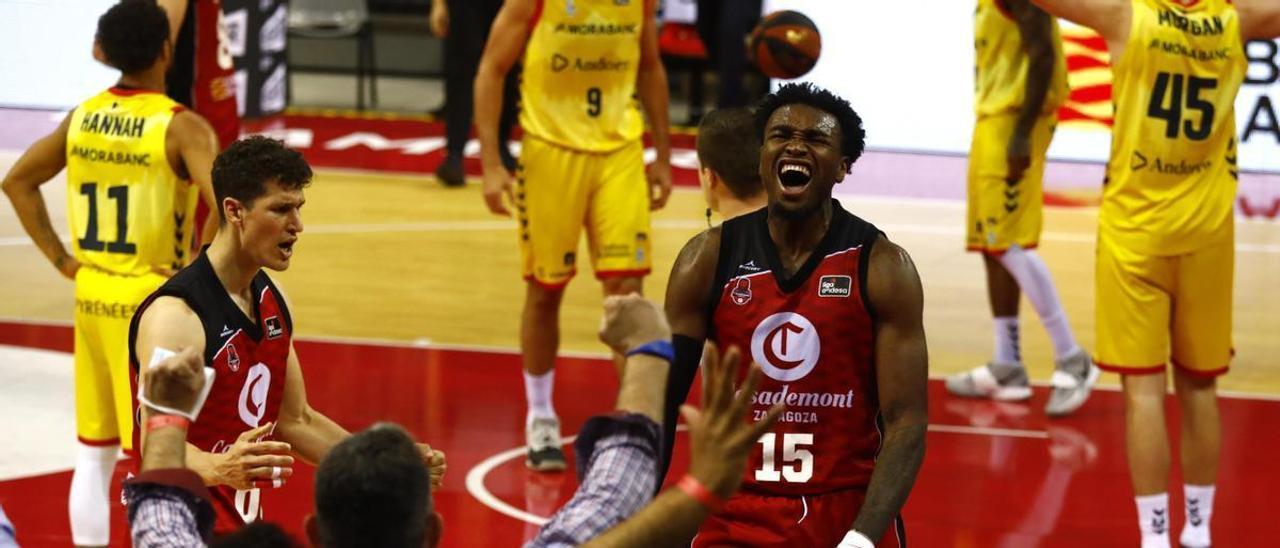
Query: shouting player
x,y
581,164
229,310
831,311
136,165
1166,234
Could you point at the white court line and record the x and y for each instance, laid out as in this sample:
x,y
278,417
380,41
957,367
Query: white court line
x,y
496,349
497,225
983,431
477,473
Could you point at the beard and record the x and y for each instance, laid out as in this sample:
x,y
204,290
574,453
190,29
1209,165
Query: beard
x,y
805,211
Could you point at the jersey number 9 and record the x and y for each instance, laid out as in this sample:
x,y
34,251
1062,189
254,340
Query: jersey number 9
x,y
593,102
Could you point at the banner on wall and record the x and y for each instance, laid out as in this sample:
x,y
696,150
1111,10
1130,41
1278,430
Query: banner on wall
x,y
257,33
914,89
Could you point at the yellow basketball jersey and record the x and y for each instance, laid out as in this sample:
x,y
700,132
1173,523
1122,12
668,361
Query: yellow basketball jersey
x,y
1171,180
1000,64
128,210
578,89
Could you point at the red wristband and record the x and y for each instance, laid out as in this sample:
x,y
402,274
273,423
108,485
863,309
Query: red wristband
x,y
161,421
694,488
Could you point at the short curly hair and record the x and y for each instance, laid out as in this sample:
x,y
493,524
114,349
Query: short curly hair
x,y
244,169
854,138
133,34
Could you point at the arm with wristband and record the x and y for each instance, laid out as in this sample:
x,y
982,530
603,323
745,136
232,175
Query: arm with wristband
x,y
720,437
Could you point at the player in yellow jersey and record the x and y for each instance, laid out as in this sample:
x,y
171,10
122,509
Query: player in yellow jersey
x,y
1166,230
136,164
585,63
1021,81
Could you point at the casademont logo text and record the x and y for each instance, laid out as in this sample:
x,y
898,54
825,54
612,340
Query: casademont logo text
x,y
795,400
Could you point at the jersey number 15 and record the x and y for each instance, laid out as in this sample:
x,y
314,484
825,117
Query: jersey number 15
x,y
797,461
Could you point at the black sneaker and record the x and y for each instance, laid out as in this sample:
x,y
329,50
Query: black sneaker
x,y
450,172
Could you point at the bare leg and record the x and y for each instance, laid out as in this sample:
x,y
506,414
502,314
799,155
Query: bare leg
x,y
1201,427
1146,438
1002,289
540,328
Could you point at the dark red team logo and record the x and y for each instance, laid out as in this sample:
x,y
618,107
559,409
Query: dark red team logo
x,y
741,292
786,345
274,331
233,359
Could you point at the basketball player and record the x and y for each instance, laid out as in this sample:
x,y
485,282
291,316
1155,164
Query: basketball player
x,y
225,307
831,311
1166,248
729,158
1022,80
581,164
202,76
136,162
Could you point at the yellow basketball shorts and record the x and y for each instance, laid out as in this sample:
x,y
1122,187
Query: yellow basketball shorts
x,y
1152,310
560,191
105,304
1002,212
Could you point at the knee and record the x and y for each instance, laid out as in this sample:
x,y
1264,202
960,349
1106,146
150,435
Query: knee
x,y
622,286
542,297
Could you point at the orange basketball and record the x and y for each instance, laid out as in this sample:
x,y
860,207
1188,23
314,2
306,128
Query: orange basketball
x,y
785,44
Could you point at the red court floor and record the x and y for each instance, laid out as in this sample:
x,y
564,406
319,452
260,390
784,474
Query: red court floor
x,y
994,475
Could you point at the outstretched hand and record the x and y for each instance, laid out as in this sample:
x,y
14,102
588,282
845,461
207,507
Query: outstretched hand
x,y
719,433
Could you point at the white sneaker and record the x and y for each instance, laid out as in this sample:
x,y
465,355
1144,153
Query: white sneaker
x,y
998,381
1073,379
543,439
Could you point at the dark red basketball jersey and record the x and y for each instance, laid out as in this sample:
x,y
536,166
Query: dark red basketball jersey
x,y
250,356
811,334
203,74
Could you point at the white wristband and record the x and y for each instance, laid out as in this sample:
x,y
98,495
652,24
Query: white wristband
x,y
854,539
159,355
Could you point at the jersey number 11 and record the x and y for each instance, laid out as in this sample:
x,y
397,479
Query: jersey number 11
x,y
90,241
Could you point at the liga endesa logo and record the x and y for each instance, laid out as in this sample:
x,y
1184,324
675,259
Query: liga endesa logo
x,y
1089,75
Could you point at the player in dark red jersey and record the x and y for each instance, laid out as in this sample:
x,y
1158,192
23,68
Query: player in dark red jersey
x,y
227,308
831,311
202,75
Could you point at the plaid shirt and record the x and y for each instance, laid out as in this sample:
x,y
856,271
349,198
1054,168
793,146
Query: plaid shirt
x,y
621,453
168,509
7,538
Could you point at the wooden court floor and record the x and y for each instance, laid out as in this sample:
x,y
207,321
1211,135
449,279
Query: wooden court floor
x,y
402,258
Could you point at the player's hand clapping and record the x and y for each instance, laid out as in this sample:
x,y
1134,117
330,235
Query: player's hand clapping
x,y
659,175
497,188
720,434
436,465
630,321
251,463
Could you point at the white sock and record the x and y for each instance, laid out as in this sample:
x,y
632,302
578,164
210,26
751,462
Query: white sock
x,y
537,391
1008,347
1153,520
1033,278
1199,507
89,502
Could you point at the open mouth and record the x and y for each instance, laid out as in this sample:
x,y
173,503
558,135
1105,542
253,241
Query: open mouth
x,y
286,247
794,175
